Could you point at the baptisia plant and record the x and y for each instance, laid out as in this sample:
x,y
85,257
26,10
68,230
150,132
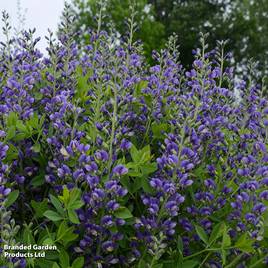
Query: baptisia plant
x,y
121,164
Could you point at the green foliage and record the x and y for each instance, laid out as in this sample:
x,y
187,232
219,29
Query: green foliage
x,y
12,197
139,169
19,130
65,206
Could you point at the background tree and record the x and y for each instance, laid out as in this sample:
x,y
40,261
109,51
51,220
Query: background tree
x,y
243,22
150,31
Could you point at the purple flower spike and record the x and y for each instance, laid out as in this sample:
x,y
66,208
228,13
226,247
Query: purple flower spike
x,y
120,170
108,246
125,145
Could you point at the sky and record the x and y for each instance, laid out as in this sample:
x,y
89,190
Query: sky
x,y
40,14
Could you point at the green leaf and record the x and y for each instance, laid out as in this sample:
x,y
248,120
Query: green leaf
x,y
146,186
64,258
190,264
57,204
136,185
75,194
134,173
180,244
149,168
216,233
134,153
39,207
123,213
38,180
76,205
202,234
65,233
12,153
145,154
11,132
62,230
43,263
55,265
69,237
73,216
21,127
52,215
226,240
11,198
78,262
11,119
38,96
48,241
244,244
158,129
65,196
142,264
33,121
28,238
37,147
158,265
223,256
20,136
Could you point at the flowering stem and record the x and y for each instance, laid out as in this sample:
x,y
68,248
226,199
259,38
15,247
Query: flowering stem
x,y
113,131
222,62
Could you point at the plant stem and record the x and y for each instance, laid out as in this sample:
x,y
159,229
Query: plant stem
x,y
234,261
203,262
200,252
113,130
258,262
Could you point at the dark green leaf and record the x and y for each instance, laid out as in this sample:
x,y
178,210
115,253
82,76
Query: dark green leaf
x,y
38,180
123,213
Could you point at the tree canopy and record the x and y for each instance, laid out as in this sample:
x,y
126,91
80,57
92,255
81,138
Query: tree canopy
x,y
242,22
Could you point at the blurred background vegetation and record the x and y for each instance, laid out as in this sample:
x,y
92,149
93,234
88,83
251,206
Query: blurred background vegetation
x,y
243,22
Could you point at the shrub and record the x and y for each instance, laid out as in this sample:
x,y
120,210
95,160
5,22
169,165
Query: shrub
x,y
119,164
